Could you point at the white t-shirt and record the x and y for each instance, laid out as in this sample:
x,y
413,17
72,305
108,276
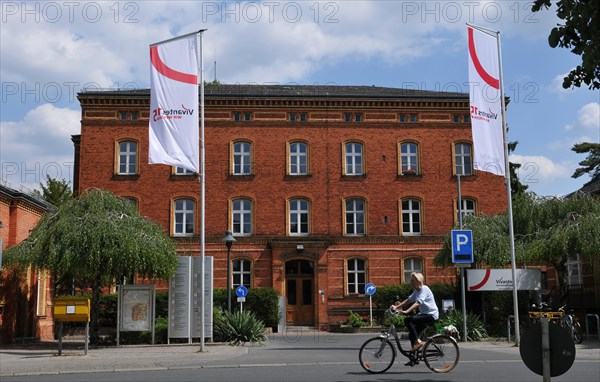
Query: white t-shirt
x,y
424,297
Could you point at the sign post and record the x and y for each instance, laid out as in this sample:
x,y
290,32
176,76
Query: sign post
x,y
241,292
462,256
370,289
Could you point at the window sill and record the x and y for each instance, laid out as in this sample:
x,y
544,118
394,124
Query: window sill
x,y
409,176
354,177
125,177
297,177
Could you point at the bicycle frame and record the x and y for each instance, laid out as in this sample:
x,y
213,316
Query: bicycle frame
x,y
393,334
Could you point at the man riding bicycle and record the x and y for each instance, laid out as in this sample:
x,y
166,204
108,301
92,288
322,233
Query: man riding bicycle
x,y
422,299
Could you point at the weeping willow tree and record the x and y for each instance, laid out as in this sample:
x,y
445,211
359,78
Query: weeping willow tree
x,y
98,238
546,229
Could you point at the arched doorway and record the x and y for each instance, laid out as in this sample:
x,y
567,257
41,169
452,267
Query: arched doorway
x,y
299,292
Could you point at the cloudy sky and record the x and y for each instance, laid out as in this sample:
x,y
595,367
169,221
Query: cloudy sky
x,y
51,50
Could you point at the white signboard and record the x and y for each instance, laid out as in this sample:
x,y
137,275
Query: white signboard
x,y
479,280
185,298
137,308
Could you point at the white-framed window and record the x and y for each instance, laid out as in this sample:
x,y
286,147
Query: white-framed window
x,y
354,217
468,207
573,275
356,276
127,158
298,217
409,158
183,217
411,264
242,158
298,160
463,159
182,171
353,153
241,273
241,217
411,217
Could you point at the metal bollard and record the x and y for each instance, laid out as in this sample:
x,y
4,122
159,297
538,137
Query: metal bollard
x,y
587,328
508,325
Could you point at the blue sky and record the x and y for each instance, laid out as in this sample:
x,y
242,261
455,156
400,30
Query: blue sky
x,y
51,50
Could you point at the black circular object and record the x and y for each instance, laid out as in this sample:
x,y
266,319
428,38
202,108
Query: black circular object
x,y
562,349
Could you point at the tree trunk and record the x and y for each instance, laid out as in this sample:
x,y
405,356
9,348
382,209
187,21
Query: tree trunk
x,y
94,311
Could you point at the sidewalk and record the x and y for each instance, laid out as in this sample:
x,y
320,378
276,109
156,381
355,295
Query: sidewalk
x,y
43,358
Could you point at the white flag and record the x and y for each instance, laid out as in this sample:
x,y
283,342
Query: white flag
x,y
173,133
486,102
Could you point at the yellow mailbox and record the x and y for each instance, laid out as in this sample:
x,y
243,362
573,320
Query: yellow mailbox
x,y
72,309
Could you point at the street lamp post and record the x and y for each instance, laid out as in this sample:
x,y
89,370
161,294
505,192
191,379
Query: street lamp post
x,y
229,240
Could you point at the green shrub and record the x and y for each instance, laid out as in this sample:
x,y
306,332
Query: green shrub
x,y
162,304
388,294
442,291
263,302
238,328
355,320
398,321
475,327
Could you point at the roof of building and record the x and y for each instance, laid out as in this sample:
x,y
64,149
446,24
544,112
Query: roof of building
x,y
293,90
24,194
592,188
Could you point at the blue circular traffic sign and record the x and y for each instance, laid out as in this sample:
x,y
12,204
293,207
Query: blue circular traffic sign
x,y
241,291
370,289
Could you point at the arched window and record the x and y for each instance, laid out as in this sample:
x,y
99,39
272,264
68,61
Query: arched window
x,y
356,276
463,159
411,217
183,217
468,207
241,217
241,273
127,157
411,264
354,217
298,213
242,158
353,159
298,158
409,158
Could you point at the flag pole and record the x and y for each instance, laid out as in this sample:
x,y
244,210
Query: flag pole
x,y
202,195
511,233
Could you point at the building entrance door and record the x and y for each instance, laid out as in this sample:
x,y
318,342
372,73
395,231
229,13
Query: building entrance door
x,y
299,292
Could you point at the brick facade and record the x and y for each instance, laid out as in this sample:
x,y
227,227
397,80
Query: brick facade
x,y
378,119
25,297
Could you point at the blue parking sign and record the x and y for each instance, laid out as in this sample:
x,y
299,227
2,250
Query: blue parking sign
x,y
462,246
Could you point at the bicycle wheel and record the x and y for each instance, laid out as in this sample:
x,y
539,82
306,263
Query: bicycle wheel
x,y
377,355
441,353
577,333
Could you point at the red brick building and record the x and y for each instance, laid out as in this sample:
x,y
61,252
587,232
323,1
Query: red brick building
x,y
325,188
25,297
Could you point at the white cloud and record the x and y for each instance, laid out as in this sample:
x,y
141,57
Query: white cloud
x,y
589,116
537,168
39,144
588,119
565,144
